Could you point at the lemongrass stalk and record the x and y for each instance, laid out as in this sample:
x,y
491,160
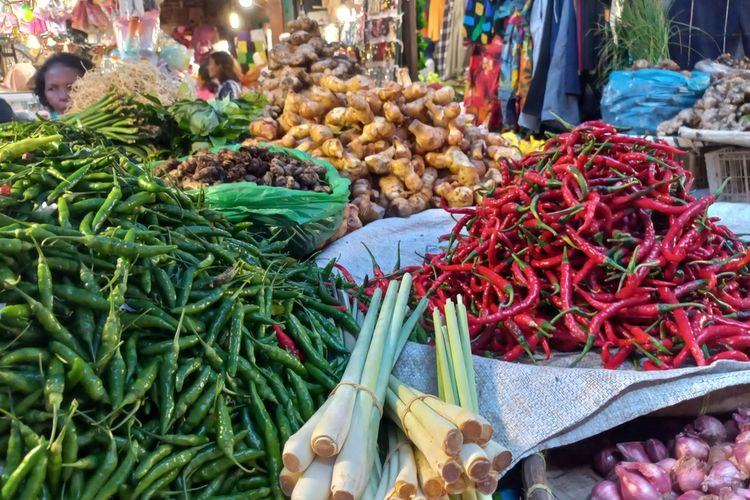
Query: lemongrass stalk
x,y
463,326
288,480
476,464
445,465
445,373
406,481
395,332
499,456
315,481
469,494
467,421
419,495
458,364
451,438
388,478
458,486
329,434
429,481
488,485
298,454
410,323
487,431
355,455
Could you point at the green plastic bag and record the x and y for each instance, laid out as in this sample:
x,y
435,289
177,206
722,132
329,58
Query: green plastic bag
x,y
307,219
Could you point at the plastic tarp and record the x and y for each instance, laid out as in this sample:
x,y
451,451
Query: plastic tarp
x,y
306,218
640,100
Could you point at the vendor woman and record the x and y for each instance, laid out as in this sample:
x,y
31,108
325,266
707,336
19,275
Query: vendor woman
x,y
54,79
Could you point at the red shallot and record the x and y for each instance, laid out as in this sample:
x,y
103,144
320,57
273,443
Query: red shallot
x,y
606,490
606,459
708,428
742,457
688,446
634,486
719,452
633,451
656,450
689,473
723,474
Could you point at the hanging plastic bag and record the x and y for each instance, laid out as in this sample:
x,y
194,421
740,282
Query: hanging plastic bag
x,y
640,100
307,219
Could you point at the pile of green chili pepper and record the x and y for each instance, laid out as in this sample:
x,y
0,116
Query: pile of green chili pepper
x,y
148,347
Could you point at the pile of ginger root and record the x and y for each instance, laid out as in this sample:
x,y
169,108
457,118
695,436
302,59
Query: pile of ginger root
x,y
298,62
405,147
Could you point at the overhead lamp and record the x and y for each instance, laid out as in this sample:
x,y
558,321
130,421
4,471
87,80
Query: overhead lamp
x,y
234,20
246,4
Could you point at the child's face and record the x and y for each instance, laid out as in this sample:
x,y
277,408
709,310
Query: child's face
x,y
58,81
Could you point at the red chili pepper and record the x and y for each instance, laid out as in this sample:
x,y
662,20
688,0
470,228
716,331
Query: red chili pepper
x,y
685,330
345,273
618,359
729,355
4,190
286,342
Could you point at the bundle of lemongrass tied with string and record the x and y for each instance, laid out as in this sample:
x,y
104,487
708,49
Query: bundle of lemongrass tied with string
x,y
440,447
444,440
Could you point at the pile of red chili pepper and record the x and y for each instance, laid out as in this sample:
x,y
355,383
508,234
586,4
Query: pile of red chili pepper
x,y
595,241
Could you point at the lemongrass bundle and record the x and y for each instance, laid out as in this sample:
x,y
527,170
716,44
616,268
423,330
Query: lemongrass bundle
x,y
341,436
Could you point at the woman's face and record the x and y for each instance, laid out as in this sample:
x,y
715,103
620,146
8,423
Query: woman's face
x,y
58,81
213,68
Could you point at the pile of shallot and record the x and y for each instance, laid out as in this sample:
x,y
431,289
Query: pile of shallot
x,y
710,460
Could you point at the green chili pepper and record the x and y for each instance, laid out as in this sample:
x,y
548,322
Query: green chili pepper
x,y
26,355
131,356
121,474
76,372
67,184
186,285
173,463
193,392
186,368
102,474
283,424
53,390
51,325
164,283
220,319
13,454
135,202
202,407
304,399
21,382
117,371
277,355
36,478
143,383
81,297
166,383
212,488
235,338
24,468
223,464
270,438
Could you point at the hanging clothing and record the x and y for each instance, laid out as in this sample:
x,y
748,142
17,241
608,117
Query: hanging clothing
x,y
435,14
704,30
441,45
457,55
480,98
516,65
563,83
541,25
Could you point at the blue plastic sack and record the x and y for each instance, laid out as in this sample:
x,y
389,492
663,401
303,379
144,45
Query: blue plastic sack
x,y
640,100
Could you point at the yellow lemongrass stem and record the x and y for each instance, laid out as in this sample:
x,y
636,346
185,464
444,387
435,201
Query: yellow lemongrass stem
x,y
499,456
488,485
332,428
476,464
288,480
451,438
406,481
358,453
457,486
467,421
446,383
487,431
315,481
298,454
445,465
388,478
463,330
429,481
458,363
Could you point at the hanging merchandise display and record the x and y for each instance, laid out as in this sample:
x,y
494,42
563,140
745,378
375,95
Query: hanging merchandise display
x,y
482,83
382,46
516,68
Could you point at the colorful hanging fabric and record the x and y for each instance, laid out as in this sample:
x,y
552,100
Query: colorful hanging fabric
x,y
441,46
516,65
479,21
480,98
